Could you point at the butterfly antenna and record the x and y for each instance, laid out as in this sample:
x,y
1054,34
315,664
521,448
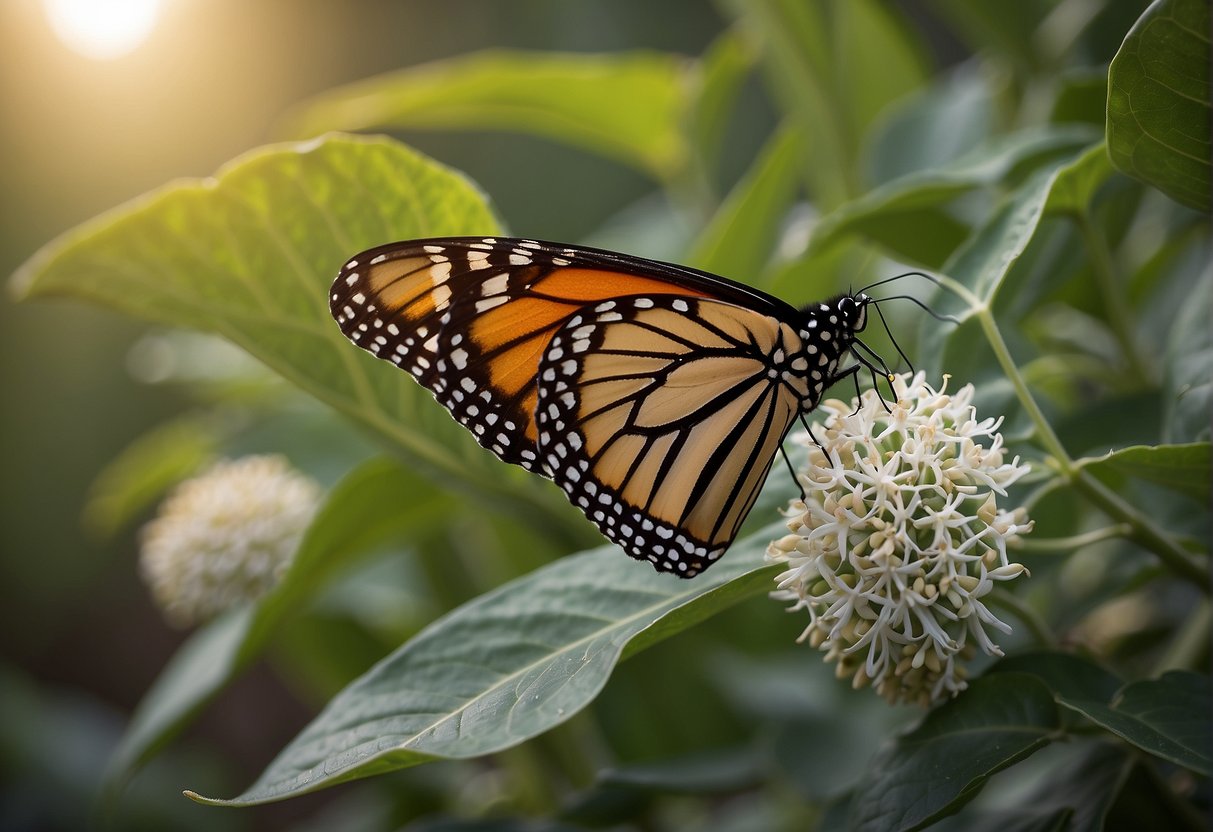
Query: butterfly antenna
x,y
945,318
923,275
792,471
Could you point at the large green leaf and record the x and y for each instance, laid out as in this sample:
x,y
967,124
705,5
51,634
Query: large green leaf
x,y
1182,468
1158,101
941,765
908,216
250,255
506,666
1167,717
739,240
627,106
375,501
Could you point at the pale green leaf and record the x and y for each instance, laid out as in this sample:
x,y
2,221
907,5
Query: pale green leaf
x,y
506,666
250,255
627,106
1181,468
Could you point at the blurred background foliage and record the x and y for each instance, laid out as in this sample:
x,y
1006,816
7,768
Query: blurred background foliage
x,y
802,147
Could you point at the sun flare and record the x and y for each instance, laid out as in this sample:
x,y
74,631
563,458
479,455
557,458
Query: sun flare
x,y
102,29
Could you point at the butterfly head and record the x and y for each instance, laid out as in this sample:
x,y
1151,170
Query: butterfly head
x,y
853,310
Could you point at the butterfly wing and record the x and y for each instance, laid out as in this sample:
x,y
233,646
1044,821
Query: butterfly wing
x,y
660,416
471,317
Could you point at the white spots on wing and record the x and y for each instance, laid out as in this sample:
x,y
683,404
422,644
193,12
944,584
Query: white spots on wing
x,y
489,303
467,384
520,260
441,296
460,359
353,264
560,261
433,249
495,285
359,298
439,272
681,305
431,344
351,279
378,259
487,245
643,303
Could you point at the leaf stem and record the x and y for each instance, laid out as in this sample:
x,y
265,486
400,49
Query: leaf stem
x,y
1191,643
1038,626
1143,531
1112,294
1065,545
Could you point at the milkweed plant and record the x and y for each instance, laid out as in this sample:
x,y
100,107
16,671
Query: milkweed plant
x,y
1008,543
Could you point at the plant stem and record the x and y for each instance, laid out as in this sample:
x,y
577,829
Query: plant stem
x,y
1111,292
1143,531
1191,643
1038,626
1078,541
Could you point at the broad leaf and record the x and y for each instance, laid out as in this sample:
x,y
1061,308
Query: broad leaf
x,y
1158,101
250,255
373,502
1076,183
739,240
627,106
1182,468
1066,674
908,215
1167,717
938,767
505,667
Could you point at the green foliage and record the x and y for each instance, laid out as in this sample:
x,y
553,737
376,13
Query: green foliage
x,y
1081,298
1158,102
627,106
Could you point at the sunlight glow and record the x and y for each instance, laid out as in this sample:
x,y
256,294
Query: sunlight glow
x,y
102,29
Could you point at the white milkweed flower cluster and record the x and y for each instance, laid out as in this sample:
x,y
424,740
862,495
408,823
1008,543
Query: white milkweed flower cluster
x,y
899,537
226,536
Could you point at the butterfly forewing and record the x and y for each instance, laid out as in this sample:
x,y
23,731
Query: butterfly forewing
x,y
659,416
470,318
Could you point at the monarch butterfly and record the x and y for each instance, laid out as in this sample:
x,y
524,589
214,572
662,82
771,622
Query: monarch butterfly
x,y
656,396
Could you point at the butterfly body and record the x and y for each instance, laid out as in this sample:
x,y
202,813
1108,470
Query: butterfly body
x,y
655,396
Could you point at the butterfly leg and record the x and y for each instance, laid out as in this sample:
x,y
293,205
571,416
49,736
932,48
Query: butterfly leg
x,y
792,471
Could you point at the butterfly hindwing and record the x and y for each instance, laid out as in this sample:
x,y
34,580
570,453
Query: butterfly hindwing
x,y
660,416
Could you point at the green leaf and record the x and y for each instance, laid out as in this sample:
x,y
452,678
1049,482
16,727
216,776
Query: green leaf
x,y
803,45
739,240
1066,674
1158,101
1187,383
938,767
627,106
726,65
504,667
1076,183
1076,796
250,255
148,467
1167,717
375,501
1182,468
1006,28
908,216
